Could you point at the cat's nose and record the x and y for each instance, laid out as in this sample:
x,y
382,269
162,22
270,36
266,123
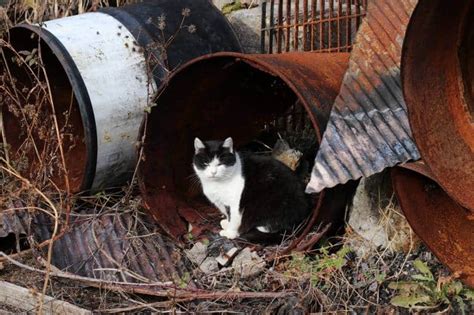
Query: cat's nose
x,y
213,172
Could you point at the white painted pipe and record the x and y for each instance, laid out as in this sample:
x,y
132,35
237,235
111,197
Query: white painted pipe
x,y
105,57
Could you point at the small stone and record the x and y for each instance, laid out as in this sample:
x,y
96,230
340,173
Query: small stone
x,y
248,263
197,254
377,220
209,265
373,287
246,24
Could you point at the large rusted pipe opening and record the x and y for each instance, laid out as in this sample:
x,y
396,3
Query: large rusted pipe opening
x,y
438,220
438,83
248,97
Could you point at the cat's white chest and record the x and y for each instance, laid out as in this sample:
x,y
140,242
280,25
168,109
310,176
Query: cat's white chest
x,y
225,194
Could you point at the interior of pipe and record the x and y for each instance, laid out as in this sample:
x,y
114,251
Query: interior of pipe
x,y
215,99
466,56
29,127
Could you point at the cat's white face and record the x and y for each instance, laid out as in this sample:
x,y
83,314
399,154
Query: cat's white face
x,y
215,170
214,160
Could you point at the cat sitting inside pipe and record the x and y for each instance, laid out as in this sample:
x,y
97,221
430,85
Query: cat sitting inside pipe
x,y
260,197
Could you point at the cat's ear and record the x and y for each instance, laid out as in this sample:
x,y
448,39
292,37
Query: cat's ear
x,y
229,144
198,145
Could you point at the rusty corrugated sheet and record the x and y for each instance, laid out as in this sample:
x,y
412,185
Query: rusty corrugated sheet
x,y
368,128
14,222
105,248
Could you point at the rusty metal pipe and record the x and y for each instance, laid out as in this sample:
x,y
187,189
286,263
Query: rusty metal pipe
x,y
228,94
445,227
438,85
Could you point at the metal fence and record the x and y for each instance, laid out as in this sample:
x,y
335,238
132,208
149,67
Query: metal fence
x,y
310,25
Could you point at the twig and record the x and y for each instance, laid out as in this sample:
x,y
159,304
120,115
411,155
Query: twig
x,y
159,289
314,239
55,230
305,232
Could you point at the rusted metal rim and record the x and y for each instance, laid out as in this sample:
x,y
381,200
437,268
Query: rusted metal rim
x,y
228,94
438,84
445,226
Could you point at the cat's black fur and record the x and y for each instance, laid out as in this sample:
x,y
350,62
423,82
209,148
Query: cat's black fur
x,y
273,194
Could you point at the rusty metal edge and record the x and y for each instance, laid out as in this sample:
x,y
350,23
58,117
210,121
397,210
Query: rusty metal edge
x,y
443,130
443,225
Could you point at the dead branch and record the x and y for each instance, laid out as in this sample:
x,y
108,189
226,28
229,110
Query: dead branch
x,y
27,300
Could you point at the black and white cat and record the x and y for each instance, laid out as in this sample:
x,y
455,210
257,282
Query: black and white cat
x,y
253,192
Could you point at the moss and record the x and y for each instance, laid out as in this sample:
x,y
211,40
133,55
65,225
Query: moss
x,y
234,6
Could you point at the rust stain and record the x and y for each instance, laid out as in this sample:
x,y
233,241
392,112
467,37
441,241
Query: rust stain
x,y
368,129
438,82
437,219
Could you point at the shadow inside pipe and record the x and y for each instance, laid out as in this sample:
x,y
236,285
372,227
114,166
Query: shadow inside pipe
x,y
28,116
228,97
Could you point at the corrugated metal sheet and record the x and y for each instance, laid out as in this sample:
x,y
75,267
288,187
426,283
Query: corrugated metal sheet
x,y
14,222
17,224
105,248
368,128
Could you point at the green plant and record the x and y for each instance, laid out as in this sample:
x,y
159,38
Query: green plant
x,y
317,267
425,292
234,6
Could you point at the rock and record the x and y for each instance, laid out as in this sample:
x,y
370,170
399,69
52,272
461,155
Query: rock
x,y
224,259
221,3
376,218
248,264
246,24
197,254
219,245
209,265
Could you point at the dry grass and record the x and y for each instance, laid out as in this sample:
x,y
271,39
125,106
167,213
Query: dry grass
x,y
36,11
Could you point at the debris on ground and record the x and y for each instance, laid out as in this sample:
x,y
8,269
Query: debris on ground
x,y
287,155
197,253
225,258
375,216
248,263
102,253
27,300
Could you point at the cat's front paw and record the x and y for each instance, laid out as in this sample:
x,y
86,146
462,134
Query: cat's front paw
x,y
224,224
230,234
